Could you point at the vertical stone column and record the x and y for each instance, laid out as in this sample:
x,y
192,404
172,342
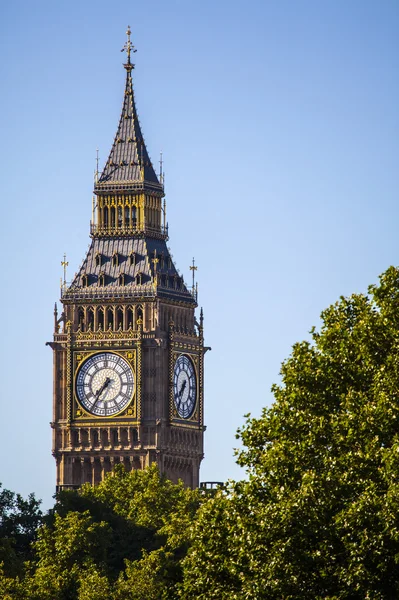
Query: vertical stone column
x,y
102,467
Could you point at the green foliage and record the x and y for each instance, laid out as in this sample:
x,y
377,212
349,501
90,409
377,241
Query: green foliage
x,y
19,520
318,516
124,538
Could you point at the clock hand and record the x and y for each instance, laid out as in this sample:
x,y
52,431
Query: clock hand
x,y
102,388
180,393
183,385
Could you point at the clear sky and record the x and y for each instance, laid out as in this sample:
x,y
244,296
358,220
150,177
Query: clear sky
x,y
279,126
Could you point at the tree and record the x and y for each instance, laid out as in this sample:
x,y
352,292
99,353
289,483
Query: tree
x,y
318,516
19,520
124,538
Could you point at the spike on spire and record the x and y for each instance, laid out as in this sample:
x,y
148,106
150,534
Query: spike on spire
x,y
128,48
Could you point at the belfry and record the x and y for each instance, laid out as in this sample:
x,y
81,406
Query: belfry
x,y
128,351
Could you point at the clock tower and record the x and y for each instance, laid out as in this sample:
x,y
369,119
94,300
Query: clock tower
x,y
128,351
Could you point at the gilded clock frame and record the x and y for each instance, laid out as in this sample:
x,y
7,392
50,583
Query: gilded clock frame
x,y
129,411
195,418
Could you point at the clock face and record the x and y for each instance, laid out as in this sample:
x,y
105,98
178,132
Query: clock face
x,y
105,384
184,386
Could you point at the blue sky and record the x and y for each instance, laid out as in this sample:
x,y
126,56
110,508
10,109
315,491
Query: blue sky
x,y
278,124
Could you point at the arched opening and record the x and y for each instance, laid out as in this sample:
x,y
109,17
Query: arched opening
x,y
127,216
104,437
106,220
119,216
100,317
134,216
110,318
115,437
112,216
130,317
95,437
124,437
90,318
139,312
119,318
81,319
75,438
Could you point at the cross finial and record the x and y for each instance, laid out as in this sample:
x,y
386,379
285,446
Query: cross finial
x,y
128,47
64,264
193,268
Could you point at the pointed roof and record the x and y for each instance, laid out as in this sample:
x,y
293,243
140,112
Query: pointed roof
x,y
124,269
128,166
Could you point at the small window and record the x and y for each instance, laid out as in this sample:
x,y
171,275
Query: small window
x,y
98,259
115,438
139,278
115,259
122,279
132,258
85,280
101,280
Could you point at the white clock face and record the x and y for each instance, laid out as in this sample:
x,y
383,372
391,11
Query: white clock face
x,y
184,386
105,384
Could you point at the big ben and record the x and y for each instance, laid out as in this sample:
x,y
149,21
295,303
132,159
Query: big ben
x,y
128,351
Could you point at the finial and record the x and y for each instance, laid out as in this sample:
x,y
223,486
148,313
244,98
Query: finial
x,y
64,264
96,179
128,47
193,268
161,169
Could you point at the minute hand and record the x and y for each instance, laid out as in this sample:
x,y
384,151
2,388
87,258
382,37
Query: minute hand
x,y
180,394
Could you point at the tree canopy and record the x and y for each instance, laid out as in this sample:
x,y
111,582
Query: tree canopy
x,y
123,539
318,516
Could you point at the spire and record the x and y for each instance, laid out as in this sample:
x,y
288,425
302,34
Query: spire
x,y
128,166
